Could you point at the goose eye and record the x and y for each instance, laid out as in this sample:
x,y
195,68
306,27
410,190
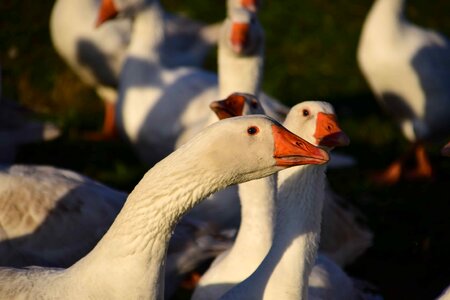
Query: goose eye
x,y
254,104
305,112
252,130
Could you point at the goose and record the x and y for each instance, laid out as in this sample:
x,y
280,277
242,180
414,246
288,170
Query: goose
x,y
96,55
326,275
343,238
53,217
407,68
146,91
127,263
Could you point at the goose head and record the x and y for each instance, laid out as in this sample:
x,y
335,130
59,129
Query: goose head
x,y
251,147
446,150
237,104
109,9
316,122
243,32
251,5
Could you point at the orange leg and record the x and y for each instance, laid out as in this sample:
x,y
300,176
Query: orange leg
x,y
109,130
389,176
191,281
423,169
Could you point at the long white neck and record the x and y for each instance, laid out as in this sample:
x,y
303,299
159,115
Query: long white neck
x,y
385,17
130,257
147,36
239,73
254,238
284,272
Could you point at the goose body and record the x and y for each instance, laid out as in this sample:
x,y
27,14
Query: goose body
x,y
129,260
407,68
148,90
96,55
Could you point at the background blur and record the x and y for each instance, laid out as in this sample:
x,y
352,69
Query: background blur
x,y
310,55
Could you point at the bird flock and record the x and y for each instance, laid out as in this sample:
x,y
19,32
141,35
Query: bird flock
x,y
222,155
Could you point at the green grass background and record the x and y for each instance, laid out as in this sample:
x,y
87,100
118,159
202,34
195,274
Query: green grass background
x,y
310,55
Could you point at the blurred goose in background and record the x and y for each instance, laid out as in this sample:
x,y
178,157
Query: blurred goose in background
x,y
408,70
255,234
17,127
128,261
96,55
53,217
160,108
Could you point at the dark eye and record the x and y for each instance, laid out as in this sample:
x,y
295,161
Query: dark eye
x,y
254,104
252,130
305,112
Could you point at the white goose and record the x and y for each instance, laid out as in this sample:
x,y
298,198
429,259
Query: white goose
x,y
146,92
299,193
342,237
96,55
53,217
128,261
407,68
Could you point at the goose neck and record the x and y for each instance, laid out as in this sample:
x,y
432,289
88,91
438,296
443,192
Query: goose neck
x,y
257,199
239,73
387,13
137,241
285,270
147,36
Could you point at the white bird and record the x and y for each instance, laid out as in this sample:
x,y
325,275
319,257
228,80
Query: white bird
x,y
285,270
408,70
53,217
128,261
96,55
342,237
149,116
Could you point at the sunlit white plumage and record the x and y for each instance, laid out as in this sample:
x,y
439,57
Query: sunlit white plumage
x,y
255,235
160,108
128,261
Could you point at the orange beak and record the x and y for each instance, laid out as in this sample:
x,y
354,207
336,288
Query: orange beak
x,y
328,133
291,150
232,106
446,150
239,32
106,12
251,5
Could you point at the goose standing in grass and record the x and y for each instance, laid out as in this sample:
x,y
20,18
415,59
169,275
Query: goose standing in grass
x,y
158,106
407,68
255,235
96,55
128,262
